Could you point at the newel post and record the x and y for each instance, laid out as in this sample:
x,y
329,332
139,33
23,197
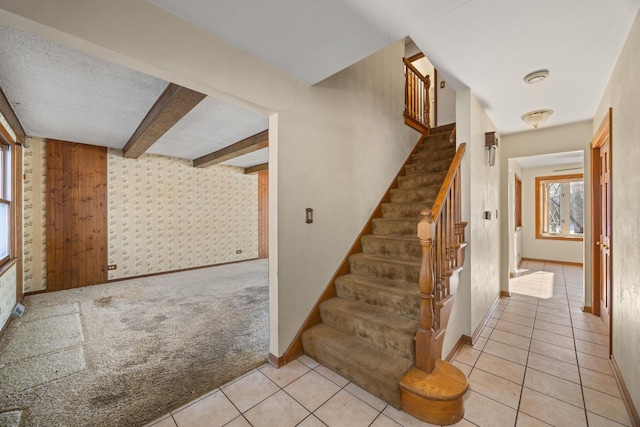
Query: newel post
x,y
425,336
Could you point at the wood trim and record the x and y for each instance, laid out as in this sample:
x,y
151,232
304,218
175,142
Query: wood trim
x,y
485,319
448,180
313,318
275,361
257,168
17,218
462,341
505,294
435,99
539,180
415,57
12,119
415,124
161,273
517,184
587,309
240,148
43,291
263,214
551,261
632,411
172,105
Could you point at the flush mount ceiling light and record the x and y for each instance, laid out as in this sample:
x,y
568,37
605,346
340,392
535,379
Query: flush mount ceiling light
x,y
536,118
536,76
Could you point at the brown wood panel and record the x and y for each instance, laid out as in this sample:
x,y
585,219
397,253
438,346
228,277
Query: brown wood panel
x,y
76,215
263,214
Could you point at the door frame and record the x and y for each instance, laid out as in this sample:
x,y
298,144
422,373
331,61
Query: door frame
x,y
601,136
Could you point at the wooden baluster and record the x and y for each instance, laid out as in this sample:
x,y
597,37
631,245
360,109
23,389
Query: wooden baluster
x,y
425,337
427,104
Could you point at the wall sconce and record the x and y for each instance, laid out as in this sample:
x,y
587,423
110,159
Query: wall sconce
x,y
491,144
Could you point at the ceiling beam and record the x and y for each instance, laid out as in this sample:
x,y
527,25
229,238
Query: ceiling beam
x,y
174,103
246,146
12,119
256,168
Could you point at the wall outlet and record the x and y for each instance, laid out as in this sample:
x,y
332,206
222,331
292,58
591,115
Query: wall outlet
x,y
239,251
112,267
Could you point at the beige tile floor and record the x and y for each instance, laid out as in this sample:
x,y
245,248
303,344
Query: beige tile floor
x,y
539,361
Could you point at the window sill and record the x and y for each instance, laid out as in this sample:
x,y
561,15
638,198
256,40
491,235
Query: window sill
x,y
7,265
566,238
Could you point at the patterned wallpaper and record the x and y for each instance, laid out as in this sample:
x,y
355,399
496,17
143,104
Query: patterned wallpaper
x,y
7,294
34,214
166,215
163,215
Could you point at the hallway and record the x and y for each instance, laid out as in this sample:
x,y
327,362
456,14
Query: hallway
x,y
539,361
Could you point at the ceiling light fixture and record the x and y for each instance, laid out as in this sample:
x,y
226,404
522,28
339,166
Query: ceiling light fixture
x,y
536,118
536,76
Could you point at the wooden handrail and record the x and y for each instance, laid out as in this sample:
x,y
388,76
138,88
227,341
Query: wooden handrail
x,y
441,235
416,97
452,137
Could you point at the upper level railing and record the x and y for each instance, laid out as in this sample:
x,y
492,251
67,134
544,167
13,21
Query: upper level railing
x,y
416,96
441,235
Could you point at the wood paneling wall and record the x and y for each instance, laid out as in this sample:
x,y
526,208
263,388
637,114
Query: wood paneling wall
x,y
77,237
263,214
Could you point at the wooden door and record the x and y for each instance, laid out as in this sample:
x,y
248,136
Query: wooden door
x,y
263,214
76,215
601,220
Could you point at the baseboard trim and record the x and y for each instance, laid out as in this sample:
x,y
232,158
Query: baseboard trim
x,y
5,327
277,362
587,309
313,318
485,319
160,273
43,291
463,340
505,294
626,396
551,261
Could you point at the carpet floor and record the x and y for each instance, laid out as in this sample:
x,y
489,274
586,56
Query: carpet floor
x,y
125,353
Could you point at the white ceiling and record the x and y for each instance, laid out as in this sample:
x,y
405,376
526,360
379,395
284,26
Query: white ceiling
x,y
61,93
487,45
555,159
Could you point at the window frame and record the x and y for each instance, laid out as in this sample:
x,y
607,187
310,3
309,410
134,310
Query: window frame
x,y
517,200
7,191
540,181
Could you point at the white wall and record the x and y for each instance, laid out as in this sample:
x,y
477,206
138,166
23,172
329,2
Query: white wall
x,y
546,249
7,294
515,234
338,150
623,96
571,137
446,102
479,281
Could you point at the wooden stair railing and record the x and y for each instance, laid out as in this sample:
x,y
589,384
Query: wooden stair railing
x,y
416,98
433,391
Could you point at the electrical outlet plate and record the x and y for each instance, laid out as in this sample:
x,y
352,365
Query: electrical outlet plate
x,y
112,267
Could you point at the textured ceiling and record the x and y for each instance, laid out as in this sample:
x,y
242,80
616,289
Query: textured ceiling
x,y
486,45
61,93
210,126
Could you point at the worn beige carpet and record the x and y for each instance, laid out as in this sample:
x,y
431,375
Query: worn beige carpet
x,y
125,353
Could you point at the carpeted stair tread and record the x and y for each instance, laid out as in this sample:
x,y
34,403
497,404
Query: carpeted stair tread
x,y
407,247
394,296
404,210
426,195
376,370
427,167
443,128
429,145
381,328
384,267
395,226
422,180
427,156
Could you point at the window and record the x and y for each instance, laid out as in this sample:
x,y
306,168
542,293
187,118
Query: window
x,y
6,230
560,207
518,202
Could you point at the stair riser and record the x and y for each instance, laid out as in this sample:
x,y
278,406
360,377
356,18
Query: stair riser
x,y
385,227
374,333
426,195
403,305
429,167
372,244
402,210
443,129
429,156
421,180
384,270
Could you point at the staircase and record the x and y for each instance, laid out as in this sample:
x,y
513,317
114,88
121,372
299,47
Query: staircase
x,y
367,331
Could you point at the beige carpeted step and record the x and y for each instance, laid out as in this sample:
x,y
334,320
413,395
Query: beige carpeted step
x,y
428,156
430,167
383,267
393,296
415,195
444,128
383,329
437,144
407,247
421,180
376,370
404,210
394,226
